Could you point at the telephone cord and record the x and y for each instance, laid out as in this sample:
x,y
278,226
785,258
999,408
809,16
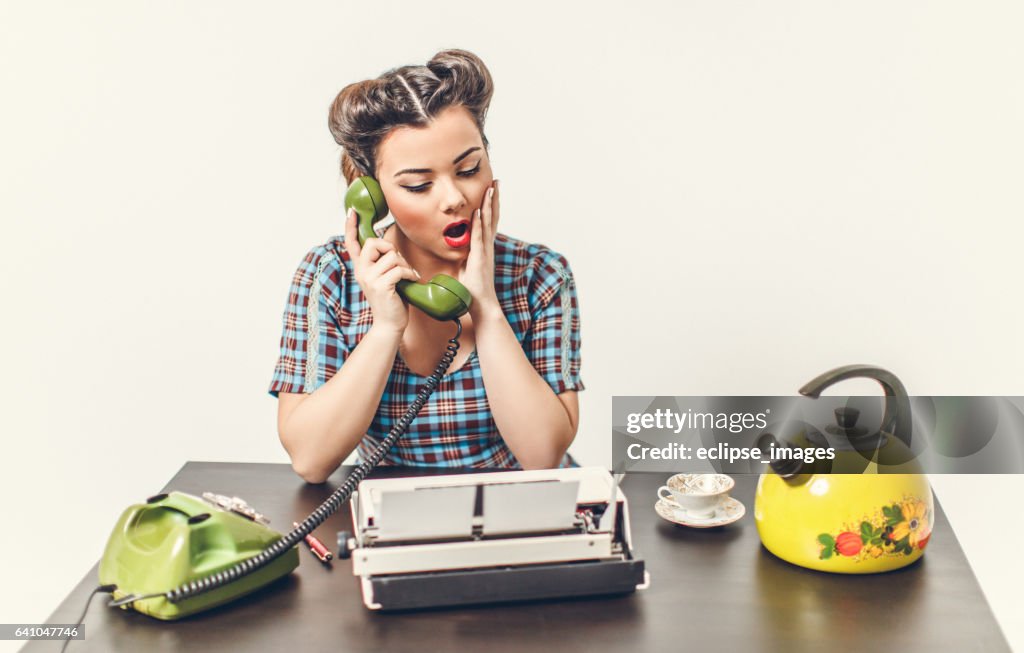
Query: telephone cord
x,y
333,502
102,589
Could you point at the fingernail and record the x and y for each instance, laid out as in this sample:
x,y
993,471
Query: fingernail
x,y
476,214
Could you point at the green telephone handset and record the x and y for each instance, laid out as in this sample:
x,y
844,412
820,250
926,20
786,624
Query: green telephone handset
x,y
442,298
175,555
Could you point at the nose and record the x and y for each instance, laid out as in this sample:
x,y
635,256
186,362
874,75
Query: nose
x,y
452,198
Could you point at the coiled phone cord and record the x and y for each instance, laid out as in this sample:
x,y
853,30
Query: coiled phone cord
x,y
333,502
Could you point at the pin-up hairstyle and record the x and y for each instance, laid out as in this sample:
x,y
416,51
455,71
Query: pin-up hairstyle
x,y
364,112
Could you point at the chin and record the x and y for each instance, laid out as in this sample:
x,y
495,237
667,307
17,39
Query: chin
x,y
455,254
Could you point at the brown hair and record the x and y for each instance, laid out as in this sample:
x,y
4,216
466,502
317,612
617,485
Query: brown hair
x,y
364,112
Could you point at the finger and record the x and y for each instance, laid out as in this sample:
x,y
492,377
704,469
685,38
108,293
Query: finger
x,y
382,265
496,209
374,248
489,229
351,238
396,274
476,234
485,216
387,263
403,262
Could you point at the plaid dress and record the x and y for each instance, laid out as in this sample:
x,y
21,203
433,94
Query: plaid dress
x,y
327,315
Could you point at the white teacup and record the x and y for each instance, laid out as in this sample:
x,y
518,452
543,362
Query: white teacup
x,y
697,495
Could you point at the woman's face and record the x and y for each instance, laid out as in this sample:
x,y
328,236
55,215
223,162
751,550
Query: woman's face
x,y
433,178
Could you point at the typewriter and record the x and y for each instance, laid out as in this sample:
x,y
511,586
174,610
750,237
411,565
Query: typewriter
x,y
441,541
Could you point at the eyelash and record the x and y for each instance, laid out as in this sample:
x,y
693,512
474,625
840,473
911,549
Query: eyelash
x,y
423,187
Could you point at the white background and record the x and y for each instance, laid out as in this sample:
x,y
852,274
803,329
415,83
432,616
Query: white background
x,y
748,193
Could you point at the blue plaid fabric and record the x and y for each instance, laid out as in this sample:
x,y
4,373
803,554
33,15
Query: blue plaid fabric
x,y
327,315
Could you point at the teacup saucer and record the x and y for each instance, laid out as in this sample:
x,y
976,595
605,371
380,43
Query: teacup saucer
x,y
728,511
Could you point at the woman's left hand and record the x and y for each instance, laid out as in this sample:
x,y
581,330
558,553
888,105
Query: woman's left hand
x,y
478,274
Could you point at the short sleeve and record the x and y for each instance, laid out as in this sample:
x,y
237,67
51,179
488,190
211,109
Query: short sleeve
x,y
552,342
312,347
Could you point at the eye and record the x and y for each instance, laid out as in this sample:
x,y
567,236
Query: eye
x,y
422,188
469,173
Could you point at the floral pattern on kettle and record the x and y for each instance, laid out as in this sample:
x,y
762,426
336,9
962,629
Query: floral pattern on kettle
x,y
894,530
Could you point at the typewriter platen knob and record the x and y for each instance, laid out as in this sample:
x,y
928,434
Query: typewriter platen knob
x,y
344,550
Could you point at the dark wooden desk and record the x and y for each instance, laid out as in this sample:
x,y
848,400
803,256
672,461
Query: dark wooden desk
x,y
710,590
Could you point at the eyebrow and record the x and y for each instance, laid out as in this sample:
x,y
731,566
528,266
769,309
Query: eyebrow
x,y
425,170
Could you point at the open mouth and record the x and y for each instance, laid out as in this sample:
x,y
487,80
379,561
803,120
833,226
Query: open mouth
x,y
457,234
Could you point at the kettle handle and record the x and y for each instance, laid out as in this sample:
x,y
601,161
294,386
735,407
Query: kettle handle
x,y
896,419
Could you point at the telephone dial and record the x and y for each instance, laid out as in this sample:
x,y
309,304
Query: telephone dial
x,y
176,555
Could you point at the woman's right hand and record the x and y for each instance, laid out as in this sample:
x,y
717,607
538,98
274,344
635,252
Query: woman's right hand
x,y
378,267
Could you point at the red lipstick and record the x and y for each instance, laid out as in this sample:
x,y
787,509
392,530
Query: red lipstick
x,y
457,234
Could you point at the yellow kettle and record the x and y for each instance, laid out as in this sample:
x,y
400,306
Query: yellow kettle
x,y
872,512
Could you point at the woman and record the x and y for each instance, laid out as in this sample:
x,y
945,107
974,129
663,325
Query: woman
x,y
354,355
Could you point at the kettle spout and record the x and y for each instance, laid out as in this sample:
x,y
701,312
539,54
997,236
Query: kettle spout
x,y
897,418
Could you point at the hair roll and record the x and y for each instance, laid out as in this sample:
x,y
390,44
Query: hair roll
x,y
364,112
